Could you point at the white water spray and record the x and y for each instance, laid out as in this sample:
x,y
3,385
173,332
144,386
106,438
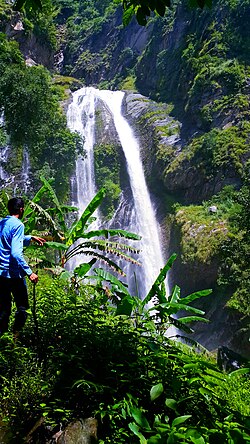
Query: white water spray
x,y
81,119
26,170
144,221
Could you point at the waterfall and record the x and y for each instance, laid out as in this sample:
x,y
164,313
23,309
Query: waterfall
x,y
135,214
25,176
4,153
81,119
22,180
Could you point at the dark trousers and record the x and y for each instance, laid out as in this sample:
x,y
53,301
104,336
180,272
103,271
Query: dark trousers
x,y
16,287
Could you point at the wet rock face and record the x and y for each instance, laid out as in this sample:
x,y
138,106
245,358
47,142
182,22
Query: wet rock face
x,y
228,360
108,52
155,129
30,46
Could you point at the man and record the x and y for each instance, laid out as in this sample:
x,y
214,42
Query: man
x,y
13,267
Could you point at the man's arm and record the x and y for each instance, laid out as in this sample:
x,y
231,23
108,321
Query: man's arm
x,y
27,239
38,239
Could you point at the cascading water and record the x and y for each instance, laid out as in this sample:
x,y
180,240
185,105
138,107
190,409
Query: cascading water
x,y
136,214
4,152
26,170
81,119
21,181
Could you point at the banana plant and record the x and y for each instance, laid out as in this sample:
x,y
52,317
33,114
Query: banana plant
x,y
78,239
165,307
168,305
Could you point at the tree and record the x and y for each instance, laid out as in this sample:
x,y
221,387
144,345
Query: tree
x,y
142,9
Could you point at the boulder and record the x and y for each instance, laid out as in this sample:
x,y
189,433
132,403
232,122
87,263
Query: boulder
x,y
79,432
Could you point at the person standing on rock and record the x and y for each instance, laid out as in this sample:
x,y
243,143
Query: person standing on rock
x,y
13,267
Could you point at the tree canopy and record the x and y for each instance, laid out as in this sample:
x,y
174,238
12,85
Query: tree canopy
x,y
141,9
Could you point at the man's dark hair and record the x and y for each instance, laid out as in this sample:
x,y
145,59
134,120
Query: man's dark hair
x,y
14,205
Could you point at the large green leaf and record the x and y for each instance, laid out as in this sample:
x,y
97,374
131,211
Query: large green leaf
x,y
175,295
54,199
240,371
127,15
84,268
171,404
106,276
159,280
174,308
196,295
77,230
156,391
136,430
111,232
125,306
38,213
140,418
180,420
188,319
104,246
180,325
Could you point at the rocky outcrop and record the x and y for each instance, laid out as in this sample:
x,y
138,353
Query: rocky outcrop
x,y
158,132
33,49
105,54
79,432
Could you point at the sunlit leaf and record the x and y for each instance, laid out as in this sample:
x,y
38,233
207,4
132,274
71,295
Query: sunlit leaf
x,y
171,403
156,391
140,418
180,420
240,371
136,430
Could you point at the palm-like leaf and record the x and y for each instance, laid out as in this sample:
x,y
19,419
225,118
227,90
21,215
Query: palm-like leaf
x,y
113,248
111,232
78,229
104,259
37,213
96,243
155,289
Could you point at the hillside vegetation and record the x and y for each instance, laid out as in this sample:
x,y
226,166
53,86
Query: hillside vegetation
x,y
96,350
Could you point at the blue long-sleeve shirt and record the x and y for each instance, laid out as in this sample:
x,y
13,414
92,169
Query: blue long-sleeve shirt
x,y
12,241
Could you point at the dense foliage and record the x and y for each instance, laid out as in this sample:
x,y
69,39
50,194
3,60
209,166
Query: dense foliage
x,y
107,174
204,72
84,361
95,350
34,119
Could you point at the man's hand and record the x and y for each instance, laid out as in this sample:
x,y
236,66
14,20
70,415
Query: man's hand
x,y
39,240
33,278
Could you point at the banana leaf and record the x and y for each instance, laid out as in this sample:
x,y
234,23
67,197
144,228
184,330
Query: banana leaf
x,y
175,295
78,228
179,306
56,245
106,276
196,295
83,269
112,232
159,280
188,319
